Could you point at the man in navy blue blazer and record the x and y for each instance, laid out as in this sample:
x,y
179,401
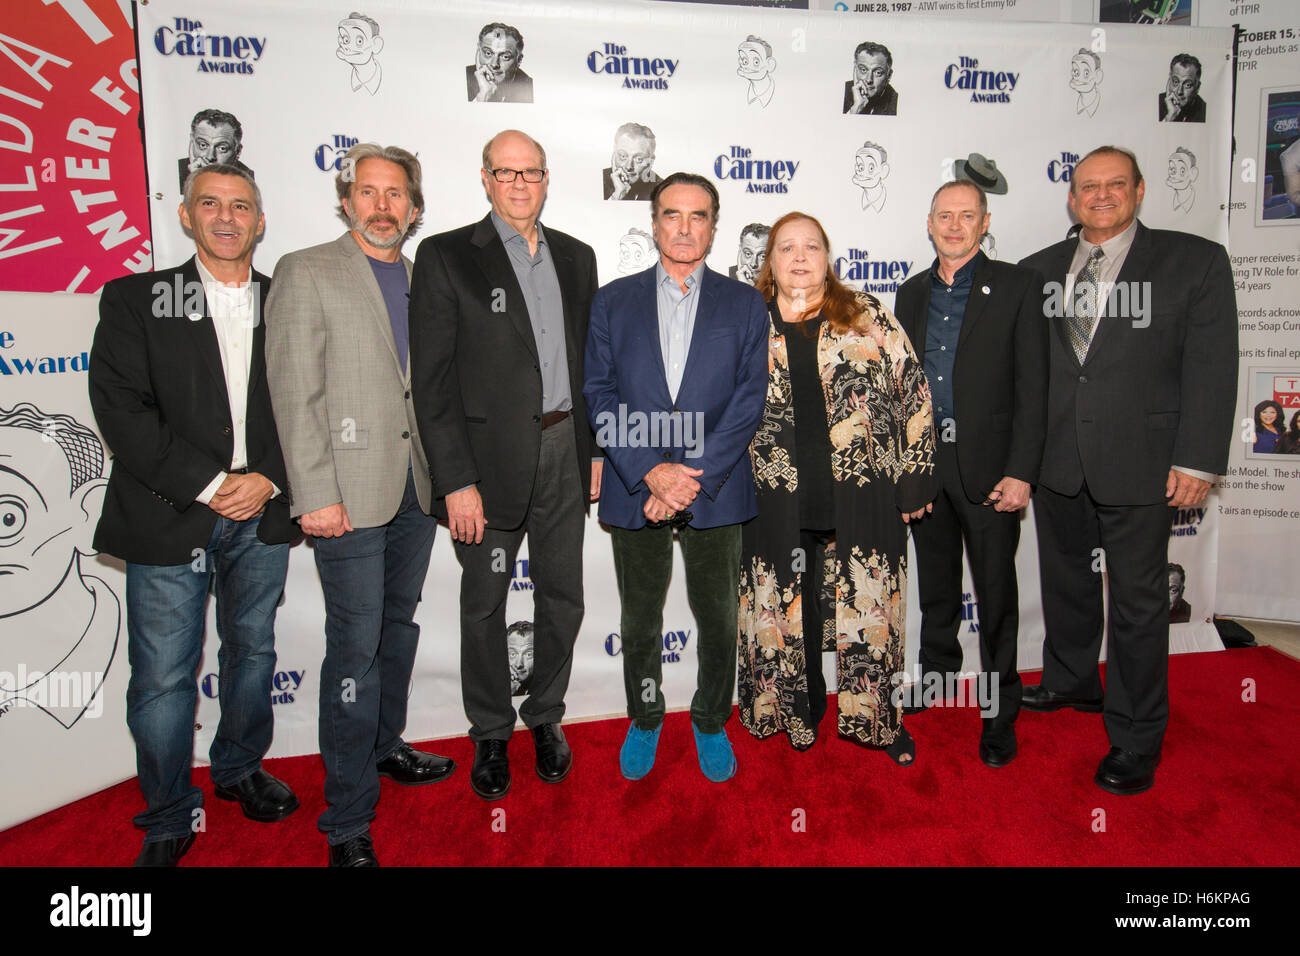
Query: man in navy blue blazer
x,y
676,376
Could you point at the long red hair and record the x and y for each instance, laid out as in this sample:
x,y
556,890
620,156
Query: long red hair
x,y
840,306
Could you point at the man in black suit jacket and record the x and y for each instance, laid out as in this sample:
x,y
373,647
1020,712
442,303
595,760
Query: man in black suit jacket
x,y
978,324
499,313
178,386
1143,381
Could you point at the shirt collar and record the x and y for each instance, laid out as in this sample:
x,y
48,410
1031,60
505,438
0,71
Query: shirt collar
x,y
509,233
219,291
692,280
963,275
1115,246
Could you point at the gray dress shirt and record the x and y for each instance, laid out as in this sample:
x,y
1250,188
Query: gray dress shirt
x,y
676,321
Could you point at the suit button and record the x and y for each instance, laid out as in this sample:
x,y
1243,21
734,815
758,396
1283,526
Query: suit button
x,y
668,456
406,434
408,394
537,418
225,430
1083,379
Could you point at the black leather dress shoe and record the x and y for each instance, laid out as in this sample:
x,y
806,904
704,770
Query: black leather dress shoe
x,y
998,746
1041,699
359,851
261,797
490,775
1123,772
554,758
164,852
413,767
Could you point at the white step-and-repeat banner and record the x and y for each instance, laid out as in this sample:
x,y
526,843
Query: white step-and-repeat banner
x,y
762,101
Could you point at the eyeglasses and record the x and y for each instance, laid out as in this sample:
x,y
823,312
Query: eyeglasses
x,y
677,520
509,175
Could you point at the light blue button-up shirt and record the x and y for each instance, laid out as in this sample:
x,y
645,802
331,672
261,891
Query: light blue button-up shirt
x,y
676,321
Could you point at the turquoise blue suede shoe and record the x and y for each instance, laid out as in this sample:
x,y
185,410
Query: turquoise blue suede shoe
x,y
638,753
716,757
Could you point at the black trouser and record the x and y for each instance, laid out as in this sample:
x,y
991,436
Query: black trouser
x,y
990,540
1073,530
555,523
815,612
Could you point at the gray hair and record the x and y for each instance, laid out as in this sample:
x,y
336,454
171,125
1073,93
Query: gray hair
x,y
636,129
756,229
224,169
358,154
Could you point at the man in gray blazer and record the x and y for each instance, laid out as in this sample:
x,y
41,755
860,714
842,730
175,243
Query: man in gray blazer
x,y
336,354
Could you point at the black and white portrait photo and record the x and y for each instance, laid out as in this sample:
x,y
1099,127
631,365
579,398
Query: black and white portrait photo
x,y
1180,612
630,174
749,253
215,137
870,92
496,75
519,648
1181,101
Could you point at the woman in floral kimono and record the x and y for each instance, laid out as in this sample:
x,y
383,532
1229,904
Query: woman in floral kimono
x,y
842,459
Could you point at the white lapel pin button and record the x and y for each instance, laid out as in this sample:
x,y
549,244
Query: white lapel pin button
x,y
985,290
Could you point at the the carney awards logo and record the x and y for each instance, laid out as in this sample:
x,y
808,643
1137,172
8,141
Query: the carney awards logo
x,y
1060,169
985,86
20,363
758,175
637,72
331,152
215,52
876,275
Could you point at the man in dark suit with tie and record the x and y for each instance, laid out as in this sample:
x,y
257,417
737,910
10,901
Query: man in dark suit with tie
x,y
676,379
1140,407
979,326
499,313
178,385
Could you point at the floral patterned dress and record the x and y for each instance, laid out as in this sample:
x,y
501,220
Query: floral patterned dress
x,y
882,463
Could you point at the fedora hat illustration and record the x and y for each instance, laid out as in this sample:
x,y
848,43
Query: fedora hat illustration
x,y
983,171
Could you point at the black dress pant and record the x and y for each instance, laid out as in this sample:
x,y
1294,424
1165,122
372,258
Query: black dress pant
x,y
1073,531
555,523
990,538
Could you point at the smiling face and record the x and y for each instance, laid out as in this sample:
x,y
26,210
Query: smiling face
x,y
1181,171
1183,83
224,219
872,70
799,261
498,55
753,62
518,203
356,45
956,224
683,226
867,168
40,527
1083,77
633,156
1268,415
1103,195
213,143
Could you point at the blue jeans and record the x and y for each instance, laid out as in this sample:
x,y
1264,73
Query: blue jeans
x,y
371,578
164,622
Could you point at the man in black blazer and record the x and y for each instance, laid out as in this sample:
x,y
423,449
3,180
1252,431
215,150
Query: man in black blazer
x,y
978,324
1140,408
178,386
499,313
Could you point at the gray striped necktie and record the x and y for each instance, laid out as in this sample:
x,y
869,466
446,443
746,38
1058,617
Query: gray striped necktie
x,y
1083,318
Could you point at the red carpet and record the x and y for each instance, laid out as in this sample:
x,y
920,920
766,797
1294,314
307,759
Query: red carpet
x,y
1225,795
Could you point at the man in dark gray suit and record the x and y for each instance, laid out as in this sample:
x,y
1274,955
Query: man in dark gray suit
x,y
499,314
1140,404
336,355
